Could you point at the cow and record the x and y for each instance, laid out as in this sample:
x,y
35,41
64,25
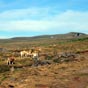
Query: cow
x,y
26,53
10,60
35,58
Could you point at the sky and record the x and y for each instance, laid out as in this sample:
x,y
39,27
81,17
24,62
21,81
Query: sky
x,y
41,17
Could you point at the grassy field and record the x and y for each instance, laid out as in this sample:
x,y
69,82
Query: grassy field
x,y
63,63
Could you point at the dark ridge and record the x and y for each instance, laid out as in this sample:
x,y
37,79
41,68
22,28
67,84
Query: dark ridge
x,y
60,36
71,35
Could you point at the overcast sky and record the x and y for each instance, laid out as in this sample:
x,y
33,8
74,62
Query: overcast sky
x,y
40,17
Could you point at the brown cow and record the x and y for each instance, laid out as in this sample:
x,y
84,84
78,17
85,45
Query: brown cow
x,y
10,60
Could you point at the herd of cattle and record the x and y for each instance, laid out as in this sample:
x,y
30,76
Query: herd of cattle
x,y
37,54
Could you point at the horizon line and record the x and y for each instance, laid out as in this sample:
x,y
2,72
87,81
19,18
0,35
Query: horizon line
x,y
7,37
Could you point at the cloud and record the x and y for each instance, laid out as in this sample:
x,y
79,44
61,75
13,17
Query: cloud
x,y
21,14
42,20
25,25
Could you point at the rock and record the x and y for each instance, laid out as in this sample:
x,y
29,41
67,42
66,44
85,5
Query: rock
x,y
10,86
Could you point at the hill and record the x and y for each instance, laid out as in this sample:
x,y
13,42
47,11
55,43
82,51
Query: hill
x,y
43,40
71,35
56,36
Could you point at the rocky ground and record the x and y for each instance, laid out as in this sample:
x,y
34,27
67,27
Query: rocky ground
x,y
72,74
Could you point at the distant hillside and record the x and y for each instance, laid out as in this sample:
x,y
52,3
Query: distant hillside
x,y
56,36
71,35
44,40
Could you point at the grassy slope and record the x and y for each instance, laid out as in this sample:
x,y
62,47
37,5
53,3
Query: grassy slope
x,y
57,75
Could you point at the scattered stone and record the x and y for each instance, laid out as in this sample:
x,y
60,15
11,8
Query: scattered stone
x,y
10,86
